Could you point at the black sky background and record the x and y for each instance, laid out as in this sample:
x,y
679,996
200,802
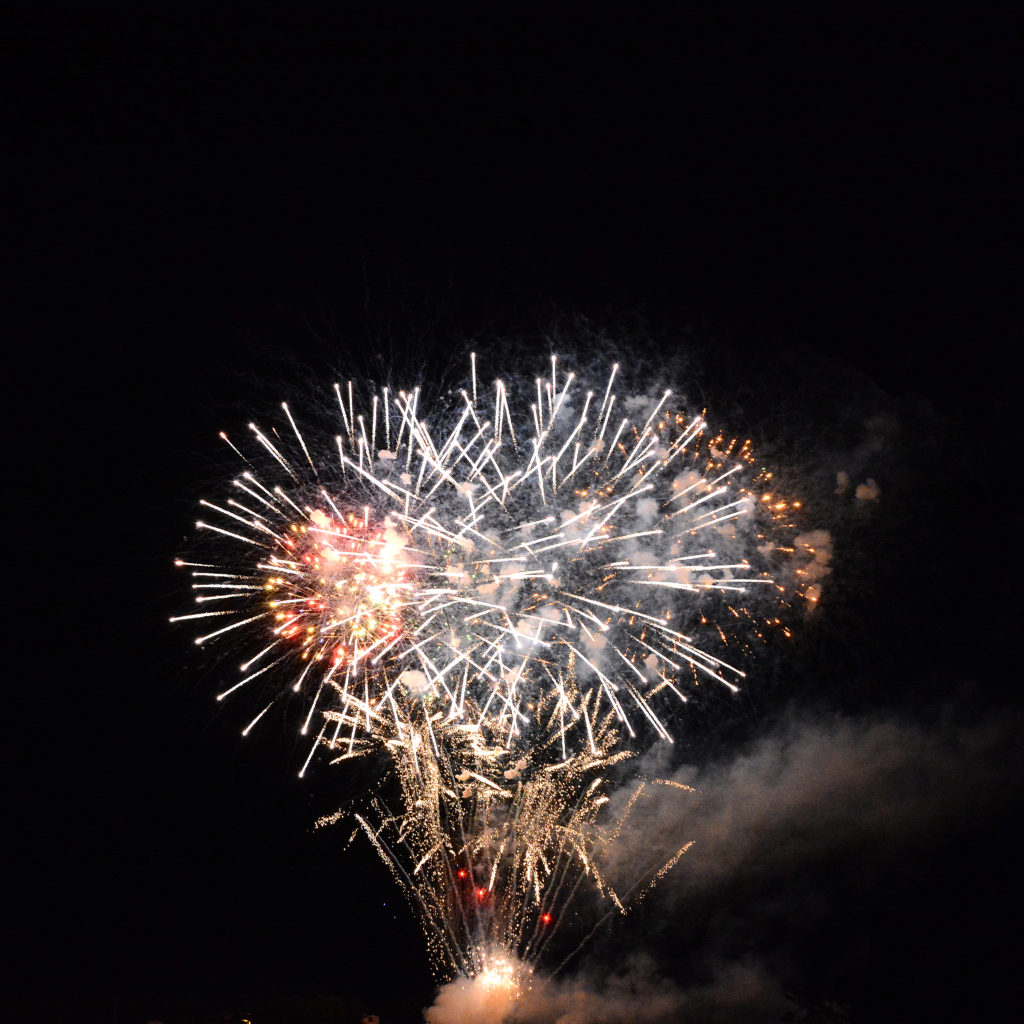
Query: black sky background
x,y
823,200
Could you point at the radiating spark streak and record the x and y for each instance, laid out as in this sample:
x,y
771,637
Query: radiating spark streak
x,y
656,652
364,444
341,405
227,533
234,625
711,494
616,538
627,567
312,706
413,424
604,423
716,522
199,615
618,433
297,686
609,689
245,666
608,390
238,588
508,414
693,656
643,447
252,494
590,731
654,412
280,492
278,565
692,431
611,509
249,727
256,482
245,522
305,450
224,437
620,610
651,716
270,448
249,678
572,437
312,749
723,508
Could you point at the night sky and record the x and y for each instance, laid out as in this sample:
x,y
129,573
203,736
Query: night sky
x,y
816,209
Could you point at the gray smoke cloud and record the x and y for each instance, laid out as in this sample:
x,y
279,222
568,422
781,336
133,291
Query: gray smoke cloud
x,y
809,793
814,787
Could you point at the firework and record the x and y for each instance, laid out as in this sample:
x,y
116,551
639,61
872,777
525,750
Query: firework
x,y
507,593
519,552
491,870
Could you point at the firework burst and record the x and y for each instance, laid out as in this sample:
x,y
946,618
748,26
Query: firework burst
x,y
476,570
507,593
